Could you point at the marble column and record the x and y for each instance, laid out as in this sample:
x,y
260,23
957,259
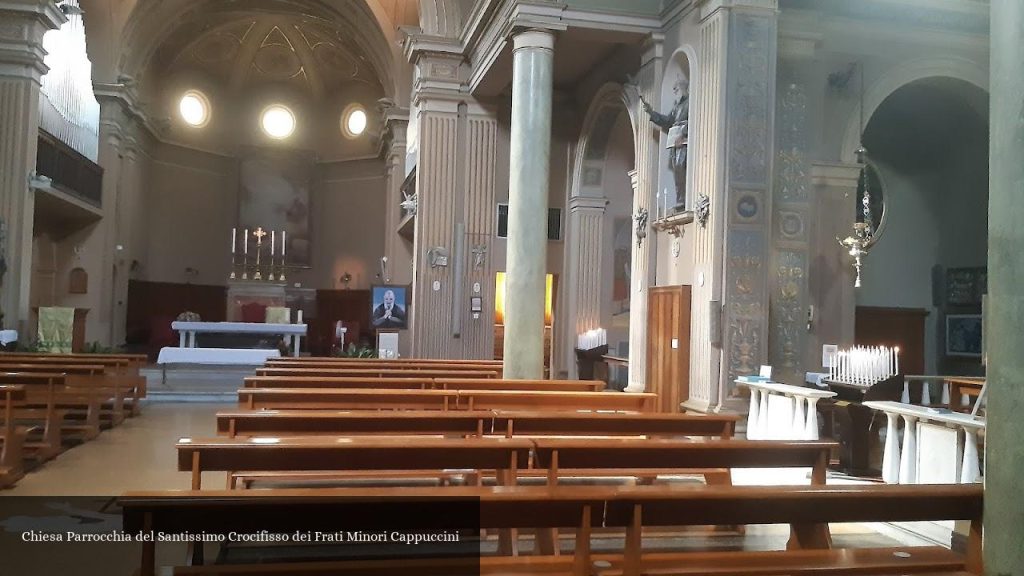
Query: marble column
x,y
22,26
1004,520
586,221
532,67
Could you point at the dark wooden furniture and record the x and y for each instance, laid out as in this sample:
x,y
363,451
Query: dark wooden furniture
x,y
12,437
377,372
902,327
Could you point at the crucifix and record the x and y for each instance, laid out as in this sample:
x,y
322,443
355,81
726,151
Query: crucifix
x,y
259,233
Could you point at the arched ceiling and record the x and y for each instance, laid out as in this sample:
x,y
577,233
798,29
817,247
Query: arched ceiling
x,y
247,48
314,44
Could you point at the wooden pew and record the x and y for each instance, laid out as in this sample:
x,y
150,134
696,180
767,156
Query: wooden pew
x,y
412,383
343,399
586,456
39,410
375,372
555,400
125,365
806,510
403,383
456,382
470,423
368,399
94,378
12,436
382,361
537,423
411,366
338,423
350,454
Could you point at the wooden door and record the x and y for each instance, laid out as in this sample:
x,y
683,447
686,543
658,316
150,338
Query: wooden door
x,y
668,346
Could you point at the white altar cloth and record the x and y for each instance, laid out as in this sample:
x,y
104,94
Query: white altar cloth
x,y
216,356
187,331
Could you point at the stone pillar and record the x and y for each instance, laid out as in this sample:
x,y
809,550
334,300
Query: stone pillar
x,y
396,248
644,179
735,106
22,26
455,141
586,221
532,90
1004,521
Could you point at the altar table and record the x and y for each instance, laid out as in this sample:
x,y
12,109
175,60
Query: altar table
x,y
187,331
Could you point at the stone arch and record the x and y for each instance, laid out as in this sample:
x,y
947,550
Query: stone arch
x,y
611,108
609,101
902,75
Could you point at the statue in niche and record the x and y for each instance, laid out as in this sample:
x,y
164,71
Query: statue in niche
x,y
675,123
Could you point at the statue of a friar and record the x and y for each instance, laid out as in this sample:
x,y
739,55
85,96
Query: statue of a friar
x,y
676,124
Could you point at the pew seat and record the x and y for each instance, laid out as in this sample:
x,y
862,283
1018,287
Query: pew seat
x,y
808,511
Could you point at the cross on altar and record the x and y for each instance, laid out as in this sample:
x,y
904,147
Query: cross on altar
x,y
259,233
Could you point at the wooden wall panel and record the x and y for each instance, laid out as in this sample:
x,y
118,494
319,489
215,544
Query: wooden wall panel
x,y
668,366
349,306
903,327
152,306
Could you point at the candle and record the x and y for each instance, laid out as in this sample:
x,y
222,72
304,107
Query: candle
x,y
298,317
284,243
273,242
234,236
245,243
897,350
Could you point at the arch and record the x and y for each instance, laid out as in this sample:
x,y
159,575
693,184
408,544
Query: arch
x,y
595,130
899,76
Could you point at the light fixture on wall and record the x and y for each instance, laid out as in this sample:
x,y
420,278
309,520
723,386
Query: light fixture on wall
x,y
278,121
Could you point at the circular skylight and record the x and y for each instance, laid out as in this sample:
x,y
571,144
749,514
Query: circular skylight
x,y
278,122
194,109
353,121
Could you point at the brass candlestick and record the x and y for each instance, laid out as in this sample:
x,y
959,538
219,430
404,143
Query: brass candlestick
x,y
259,233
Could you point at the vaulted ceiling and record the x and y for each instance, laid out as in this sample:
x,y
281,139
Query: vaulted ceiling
x,y
249,49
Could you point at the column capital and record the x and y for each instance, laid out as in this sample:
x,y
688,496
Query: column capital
x,y
587,204
537,38
22,26
653,48
710,7
839,175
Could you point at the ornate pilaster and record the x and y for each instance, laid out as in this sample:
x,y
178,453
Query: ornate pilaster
x,y
393,149
22,25
586,221
735,107
792,219
455,140
644,180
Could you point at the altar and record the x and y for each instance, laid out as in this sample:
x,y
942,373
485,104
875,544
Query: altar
x,y
292,333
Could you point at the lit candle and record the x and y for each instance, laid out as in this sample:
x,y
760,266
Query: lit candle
x,y
897,350
245,243
234,236
273,241
284,243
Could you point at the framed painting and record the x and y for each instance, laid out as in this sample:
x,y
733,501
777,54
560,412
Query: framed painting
x,y
963,335
274,194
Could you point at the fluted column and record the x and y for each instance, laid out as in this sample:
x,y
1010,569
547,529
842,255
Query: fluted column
x,y
586,221
22,26
532,67
1004,519
644,179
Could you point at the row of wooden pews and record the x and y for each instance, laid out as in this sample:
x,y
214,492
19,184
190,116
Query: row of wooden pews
x,y
63,399
328,451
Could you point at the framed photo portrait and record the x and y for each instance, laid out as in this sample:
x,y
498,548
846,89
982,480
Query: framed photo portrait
x,y
390,307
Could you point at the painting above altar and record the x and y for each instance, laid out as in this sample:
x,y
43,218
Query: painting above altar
x,y
274,194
